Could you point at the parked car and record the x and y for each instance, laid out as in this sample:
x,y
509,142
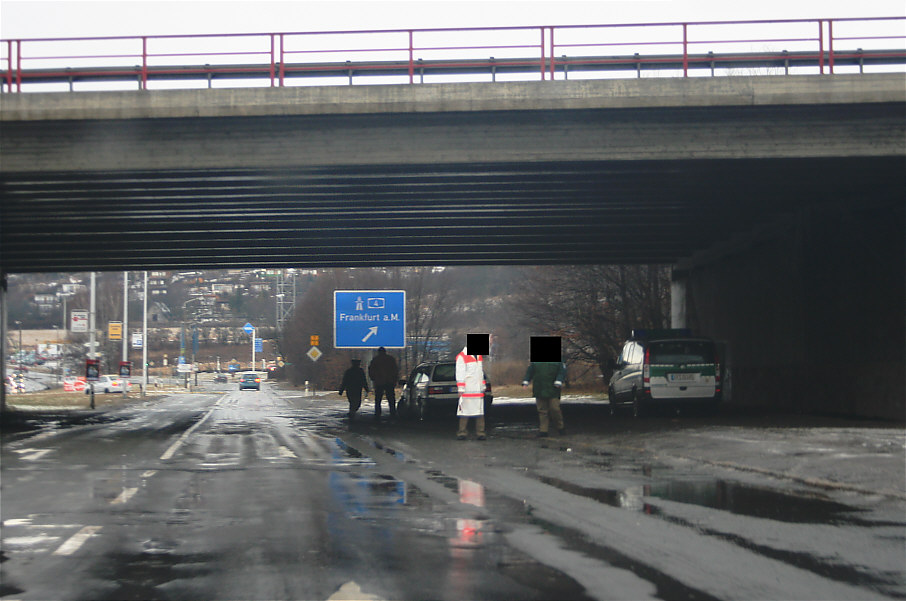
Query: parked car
x,y
667,368
221,378
15,383
249,380
108,384
431,386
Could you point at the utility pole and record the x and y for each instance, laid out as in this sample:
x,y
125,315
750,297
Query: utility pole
x,y
125,328
145,337
92,314
92,334
125,316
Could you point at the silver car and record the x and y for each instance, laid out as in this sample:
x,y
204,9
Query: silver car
x,y
432,386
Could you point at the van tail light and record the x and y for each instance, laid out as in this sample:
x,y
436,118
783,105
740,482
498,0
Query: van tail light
x,y
436,390
646,369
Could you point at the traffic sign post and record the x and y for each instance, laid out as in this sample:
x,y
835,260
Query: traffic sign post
x,y
250,330
79,321
125,374
92,375
92,370
369,318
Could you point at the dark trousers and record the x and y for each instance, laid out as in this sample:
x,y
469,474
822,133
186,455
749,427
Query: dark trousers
x,y
379,392
355,400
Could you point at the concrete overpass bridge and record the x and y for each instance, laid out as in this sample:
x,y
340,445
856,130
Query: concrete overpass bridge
x,y
779,200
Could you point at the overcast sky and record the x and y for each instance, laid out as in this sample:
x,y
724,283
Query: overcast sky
x,y
65,18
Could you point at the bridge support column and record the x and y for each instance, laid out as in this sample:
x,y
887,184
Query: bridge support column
x,y
4,352
677,299
812,308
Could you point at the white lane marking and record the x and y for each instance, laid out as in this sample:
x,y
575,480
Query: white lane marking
x,y
124,496
42,436
351,591
149,473
30,541
27,523
285,452
32,454
77,540
316,450
168,454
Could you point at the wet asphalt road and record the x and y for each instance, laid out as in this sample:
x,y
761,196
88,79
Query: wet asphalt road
x,y
275,495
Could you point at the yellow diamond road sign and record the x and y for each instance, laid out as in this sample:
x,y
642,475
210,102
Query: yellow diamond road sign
x,y
314,353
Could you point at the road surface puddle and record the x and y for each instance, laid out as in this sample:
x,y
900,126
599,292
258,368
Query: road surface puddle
x,y
733,497
466,554
150,574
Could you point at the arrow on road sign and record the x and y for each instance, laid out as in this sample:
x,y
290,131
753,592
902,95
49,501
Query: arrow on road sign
x,y
371,332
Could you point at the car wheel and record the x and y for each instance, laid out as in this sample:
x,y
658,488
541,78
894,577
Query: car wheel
x,y
612,398
638,409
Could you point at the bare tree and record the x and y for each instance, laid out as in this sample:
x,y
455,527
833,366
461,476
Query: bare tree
x,y
594,307
429,305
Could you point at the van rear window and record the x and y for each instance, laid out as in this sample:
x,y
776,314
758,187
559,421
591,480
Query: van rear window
x,y
445,372
682,351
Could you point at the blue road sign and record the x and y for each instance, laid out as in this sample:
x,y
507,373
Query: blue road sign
x,y
249,328
369,318
259,345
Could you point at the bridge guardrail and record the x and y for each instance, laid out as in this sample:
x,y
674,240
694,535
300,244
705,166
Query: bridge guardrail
x,y
409,55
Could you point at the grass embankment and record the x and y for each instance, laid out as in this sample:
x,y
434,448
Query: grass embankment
x,y
57,399
516,391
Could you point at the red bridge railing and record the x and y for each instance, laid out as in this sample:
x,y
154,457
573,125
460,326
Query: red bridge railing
x,y
551,52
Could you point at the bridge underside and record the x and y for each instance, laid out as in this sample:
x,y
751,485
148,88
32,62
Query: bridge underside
x,y
459,214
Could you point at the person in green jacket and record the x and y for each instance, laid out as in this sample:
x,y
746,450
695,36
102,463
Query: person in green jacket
x,y
547,378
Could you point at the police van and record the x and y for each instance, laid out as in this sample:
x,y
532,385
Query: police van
x,y
666,368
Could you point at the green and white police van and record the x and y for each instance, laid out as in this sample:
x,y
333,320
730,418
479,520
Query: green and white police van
x,y
665,367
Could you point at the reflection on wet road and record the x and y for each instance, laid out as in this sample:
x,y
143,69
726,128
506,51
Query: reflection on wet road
x,y
275,495
239,496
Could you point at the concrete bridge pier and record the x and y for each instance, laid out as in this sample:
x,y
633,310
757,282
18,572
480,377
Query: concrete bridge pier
x,y
810,308
3,349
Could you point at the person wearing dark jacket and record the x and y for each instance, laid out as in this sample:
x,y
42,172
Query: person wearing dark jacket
x,y
547,379
353,383
384,373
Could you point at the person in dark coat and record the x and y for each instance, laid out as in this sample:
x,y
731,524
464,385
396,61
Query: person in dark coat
x,y
547,378
384,374
353,383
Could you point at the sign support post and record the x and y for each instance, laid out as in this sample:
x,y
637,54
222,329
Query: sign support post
x,y
250,330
